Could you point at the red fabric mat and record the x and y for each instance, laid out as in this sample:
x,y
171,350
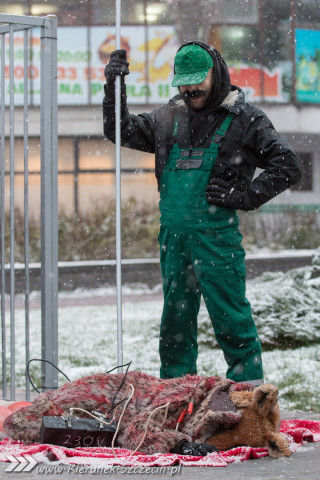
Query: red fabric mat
x,y
298,432
301,430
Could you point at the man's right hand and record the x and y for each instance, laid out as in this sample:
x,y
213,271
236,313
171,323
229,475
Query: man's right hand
x,y
117,65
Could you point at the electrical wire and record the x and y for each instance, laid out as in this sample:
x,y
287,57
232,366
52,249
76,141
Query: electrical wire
x,y
55,387
113,405
118,366
46,361
166,406
91,415
120,418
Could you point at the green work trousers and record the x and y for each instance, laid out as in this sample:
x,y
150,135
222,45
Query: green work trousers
x,y
192,264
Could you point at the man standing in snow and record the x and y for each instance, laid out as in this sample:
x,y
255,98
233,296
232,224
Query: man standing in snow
x,y
208,143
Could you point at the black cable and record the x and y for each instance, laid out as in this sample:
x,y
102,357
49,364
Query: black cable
x,y
113,404
119,366
47,361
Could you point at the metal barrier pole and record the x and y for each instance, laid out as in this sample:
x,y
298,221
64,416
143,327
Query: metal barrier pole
x,y
118,195
12,218
2,218
26,205
49,202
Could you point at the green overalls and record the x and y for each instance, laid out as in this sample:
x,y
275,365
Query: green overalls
x,y
201,254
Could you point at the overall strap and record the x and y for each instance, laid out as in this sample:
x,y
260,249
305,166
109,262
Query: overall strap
x,y
221,131
175,127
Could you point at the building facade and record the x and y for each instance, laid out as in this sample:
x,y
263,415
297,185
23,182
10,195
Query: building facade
x,y
272,50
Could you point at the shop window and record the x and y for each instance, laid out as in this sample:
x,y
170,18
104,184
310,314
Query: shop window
x,y
66,193
238,12
73,12
41,8
103,12
96,154
68,12
158,13
100,154
274,12
132,12
16,8
66,150
94,189
19,194
96,173
237,44
308,12
305,184
277,57
33,153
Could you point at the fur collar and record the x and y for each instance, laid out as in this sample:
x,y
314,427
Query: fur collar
x,y
231,98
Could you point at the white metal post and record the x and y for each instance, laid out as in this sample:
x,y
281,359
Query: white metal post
x,y
12,217
118,196
2,222
49,202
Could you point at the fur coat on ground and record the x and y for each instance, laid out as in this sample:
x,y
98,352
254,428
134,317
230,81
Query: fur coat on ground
x,y
99,393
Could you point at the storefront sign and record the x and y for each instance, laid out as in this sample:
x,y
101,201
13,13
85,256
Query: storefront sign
x,y
257,83
83,53
308,65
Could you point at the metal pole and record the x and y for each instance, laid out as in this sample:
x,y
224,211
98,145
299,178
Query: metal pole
x,y
118,196
12,219
49,202
26,205
146,40
2,213
293,14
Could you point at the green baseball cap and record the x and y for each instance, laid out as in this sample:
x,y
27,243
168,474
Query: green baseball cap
x,y
191,65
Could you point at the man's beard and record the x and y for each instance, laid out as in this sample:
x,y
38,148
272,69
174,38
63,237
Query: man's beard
x,y
189,95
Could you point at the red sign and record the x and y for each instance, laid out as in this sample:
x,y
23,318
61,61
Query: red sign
x,y
256,81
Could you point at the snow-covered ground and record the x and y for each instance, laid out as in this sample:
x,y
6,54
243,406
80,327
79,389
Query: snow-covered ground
x,y
286,308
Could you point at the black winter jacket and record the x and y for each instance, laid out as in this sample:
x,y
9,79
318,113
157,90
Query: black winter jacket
x,y
251,141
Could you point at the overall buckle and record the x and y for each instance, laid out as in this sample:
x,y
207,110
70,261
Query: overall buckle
x,y
188,159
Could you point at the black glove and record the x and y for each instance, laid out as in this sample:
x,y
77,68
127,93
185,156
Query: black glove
x,y
192,448
117,65
220,193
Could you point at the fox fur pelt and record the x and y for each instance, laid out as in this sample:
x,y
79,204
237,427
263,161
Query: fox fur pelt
x,y
97,392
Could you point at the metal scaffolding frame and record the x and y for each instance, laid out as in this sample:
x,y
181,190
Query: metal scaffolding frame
x,y
9,26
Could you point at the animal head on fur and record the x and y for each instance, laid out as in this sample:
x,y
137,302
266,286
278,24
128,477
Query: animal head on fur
x,y
259,423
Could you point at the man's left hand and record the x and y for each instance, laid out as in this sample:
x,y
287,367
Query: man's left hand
x,y
220,193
